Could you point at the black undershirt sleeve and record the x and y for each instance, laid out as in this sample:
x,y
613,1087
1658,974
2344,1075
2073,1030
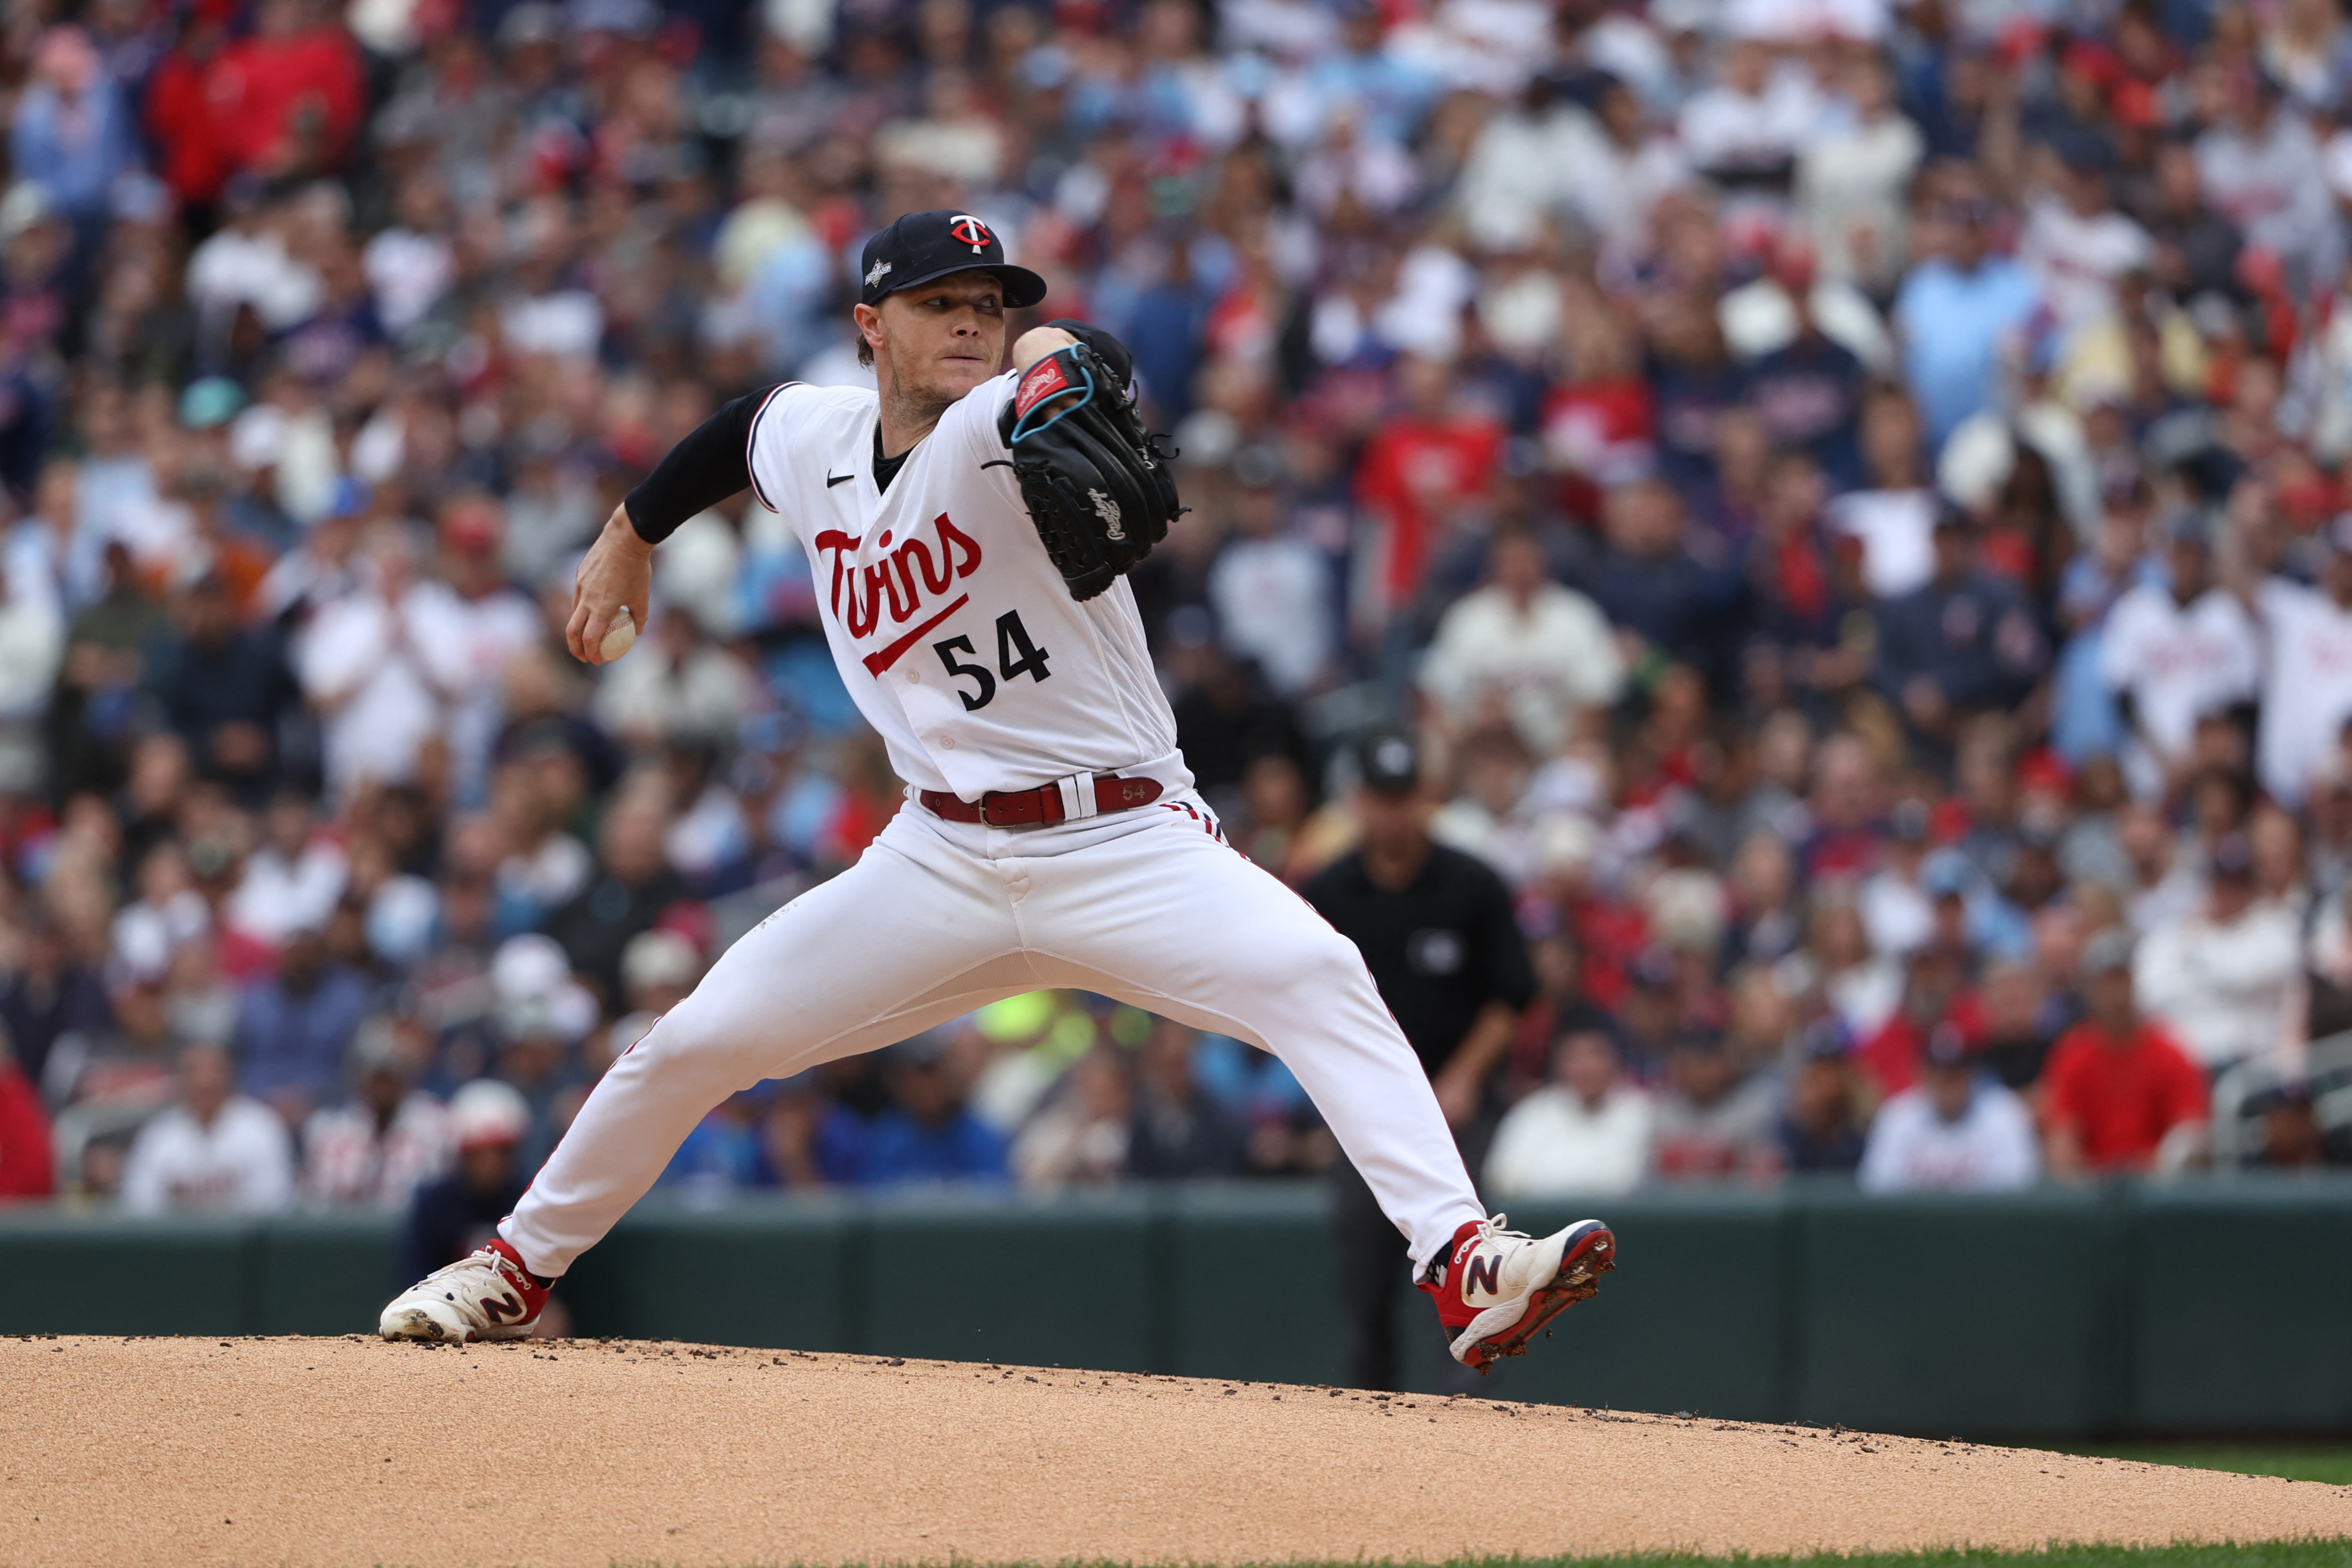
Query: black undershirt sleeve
x,y
712,462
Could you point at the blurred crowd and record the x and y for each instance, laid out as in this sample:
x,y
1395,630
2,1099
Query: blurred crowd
x,y
1847,498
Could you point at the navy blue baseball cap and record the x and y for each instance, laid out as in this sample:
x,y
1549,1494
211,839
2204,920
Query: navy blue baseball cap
x,y
921,247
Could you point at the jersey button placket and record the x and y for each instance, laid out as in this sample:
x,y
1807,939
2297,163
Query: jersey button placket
x,y
947,743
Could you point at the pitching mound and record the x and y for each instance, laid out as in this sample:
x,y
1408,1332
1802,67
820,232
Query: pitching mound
x,y
346,1451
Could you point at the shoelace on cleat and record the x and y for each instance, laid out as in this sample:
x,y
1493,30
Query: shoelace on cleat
x,y
467,1265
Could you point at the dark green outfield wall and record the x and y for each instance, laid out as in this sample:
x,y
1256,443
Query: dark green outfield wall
x,y
2210,1308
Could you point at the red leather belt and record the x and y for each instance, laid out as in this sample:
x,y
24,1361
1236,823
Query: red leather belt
x,y
1048,803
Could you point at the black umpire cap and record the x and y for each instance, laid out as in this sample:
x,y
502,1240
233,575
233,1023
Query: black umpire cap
x,y
1390,760
922,246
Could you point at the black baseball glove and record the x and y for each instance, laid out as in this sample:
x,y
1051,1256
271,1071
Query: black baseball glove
x,y
1096,483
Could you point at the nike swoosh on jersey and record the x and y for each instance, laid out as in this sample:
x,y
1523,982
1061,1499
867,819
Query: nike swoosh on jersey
x,y
833,479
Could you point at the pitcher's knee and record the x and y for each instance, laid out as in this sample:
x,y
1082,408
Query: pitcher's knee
x,y
688,1041
1312,959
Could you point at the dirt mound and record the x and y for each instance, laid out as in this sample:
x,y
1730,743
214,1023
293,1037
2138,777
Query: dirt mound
x,y
346,1451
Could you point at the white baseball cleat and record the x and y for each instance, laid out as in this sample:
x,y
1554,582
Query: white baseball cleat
x,y
1495,1288
489,1295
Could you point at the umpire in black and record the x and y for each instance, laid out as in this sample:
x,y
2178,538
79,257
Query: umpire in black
x,y
1436,930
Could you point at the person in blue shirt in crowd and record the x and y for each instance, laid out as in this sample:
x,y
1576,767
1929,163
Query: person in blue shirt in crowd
x,y
924,1133
1956,310
293,1028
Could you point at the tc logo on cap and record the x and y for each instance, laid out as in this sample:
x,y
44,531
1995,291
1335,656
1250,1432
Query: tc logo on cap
x,y
968,230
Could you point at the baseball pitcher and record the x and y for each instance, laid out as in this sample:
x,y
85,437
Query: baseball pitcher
x,y
971,532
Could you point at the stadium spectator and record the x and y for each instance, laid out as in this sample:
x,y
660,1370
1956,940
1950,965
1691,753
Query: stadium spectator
x,y
1585,1133
1958,1129
387,1139
631,887
2225,978
1962,643
2173,654
1080,1136
2306,696
1821,1125
1958,310
1666,601
925,1133
27,1165
212,1150
1717,1120
1524,650
1420,468
1270,588
2290,1136
292,1029
455,1213
1180,1128
364,663
49,995
2119,1094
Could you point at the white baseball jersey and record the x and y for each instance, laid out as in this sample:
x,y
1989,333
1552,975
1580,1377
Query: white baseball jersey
x,y
2179,663
958,638
2306,684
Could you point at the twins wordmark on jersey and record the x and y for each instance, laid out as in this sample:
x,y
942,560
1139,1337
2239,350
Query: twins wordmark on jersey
x,y
903,577
956,636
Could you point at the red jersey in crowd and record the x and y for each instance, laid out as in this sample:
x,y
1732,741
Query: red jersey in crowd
x,y
2121,1099
1415,471
1603,433
1891,1058
274,103
26,1167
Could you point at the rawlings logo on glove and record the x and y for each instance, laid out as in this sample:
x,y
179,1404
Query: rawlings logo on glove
x,y
1095,482
1107,510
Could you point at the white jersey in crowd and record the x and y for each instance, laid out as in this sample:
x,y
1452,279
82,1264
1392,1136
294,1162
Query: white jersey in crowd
x,y
1553,1145
2227,988
2306,684
243,1163
2179,662
1990,1148
958,640
1547,664
347,1159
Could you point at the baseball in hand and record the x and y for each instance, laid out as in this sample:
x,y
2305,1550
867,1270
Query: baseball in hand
x,y
618,636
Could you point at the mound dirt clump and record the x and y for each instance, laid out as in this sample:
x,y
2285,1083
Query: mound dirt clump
x,y
348,1451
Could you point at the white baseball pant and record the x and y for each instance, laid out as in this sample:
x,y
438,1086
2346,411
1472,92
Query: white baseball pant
x,y
938,918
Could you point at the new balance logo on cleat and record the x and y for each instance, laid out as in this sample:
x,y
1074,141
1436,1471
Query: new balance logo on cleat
x,y
1484,1274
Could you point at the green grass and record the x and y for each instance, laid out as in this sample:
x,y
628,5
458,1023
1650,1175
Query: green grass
x,y
2260,1554
2329,1462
